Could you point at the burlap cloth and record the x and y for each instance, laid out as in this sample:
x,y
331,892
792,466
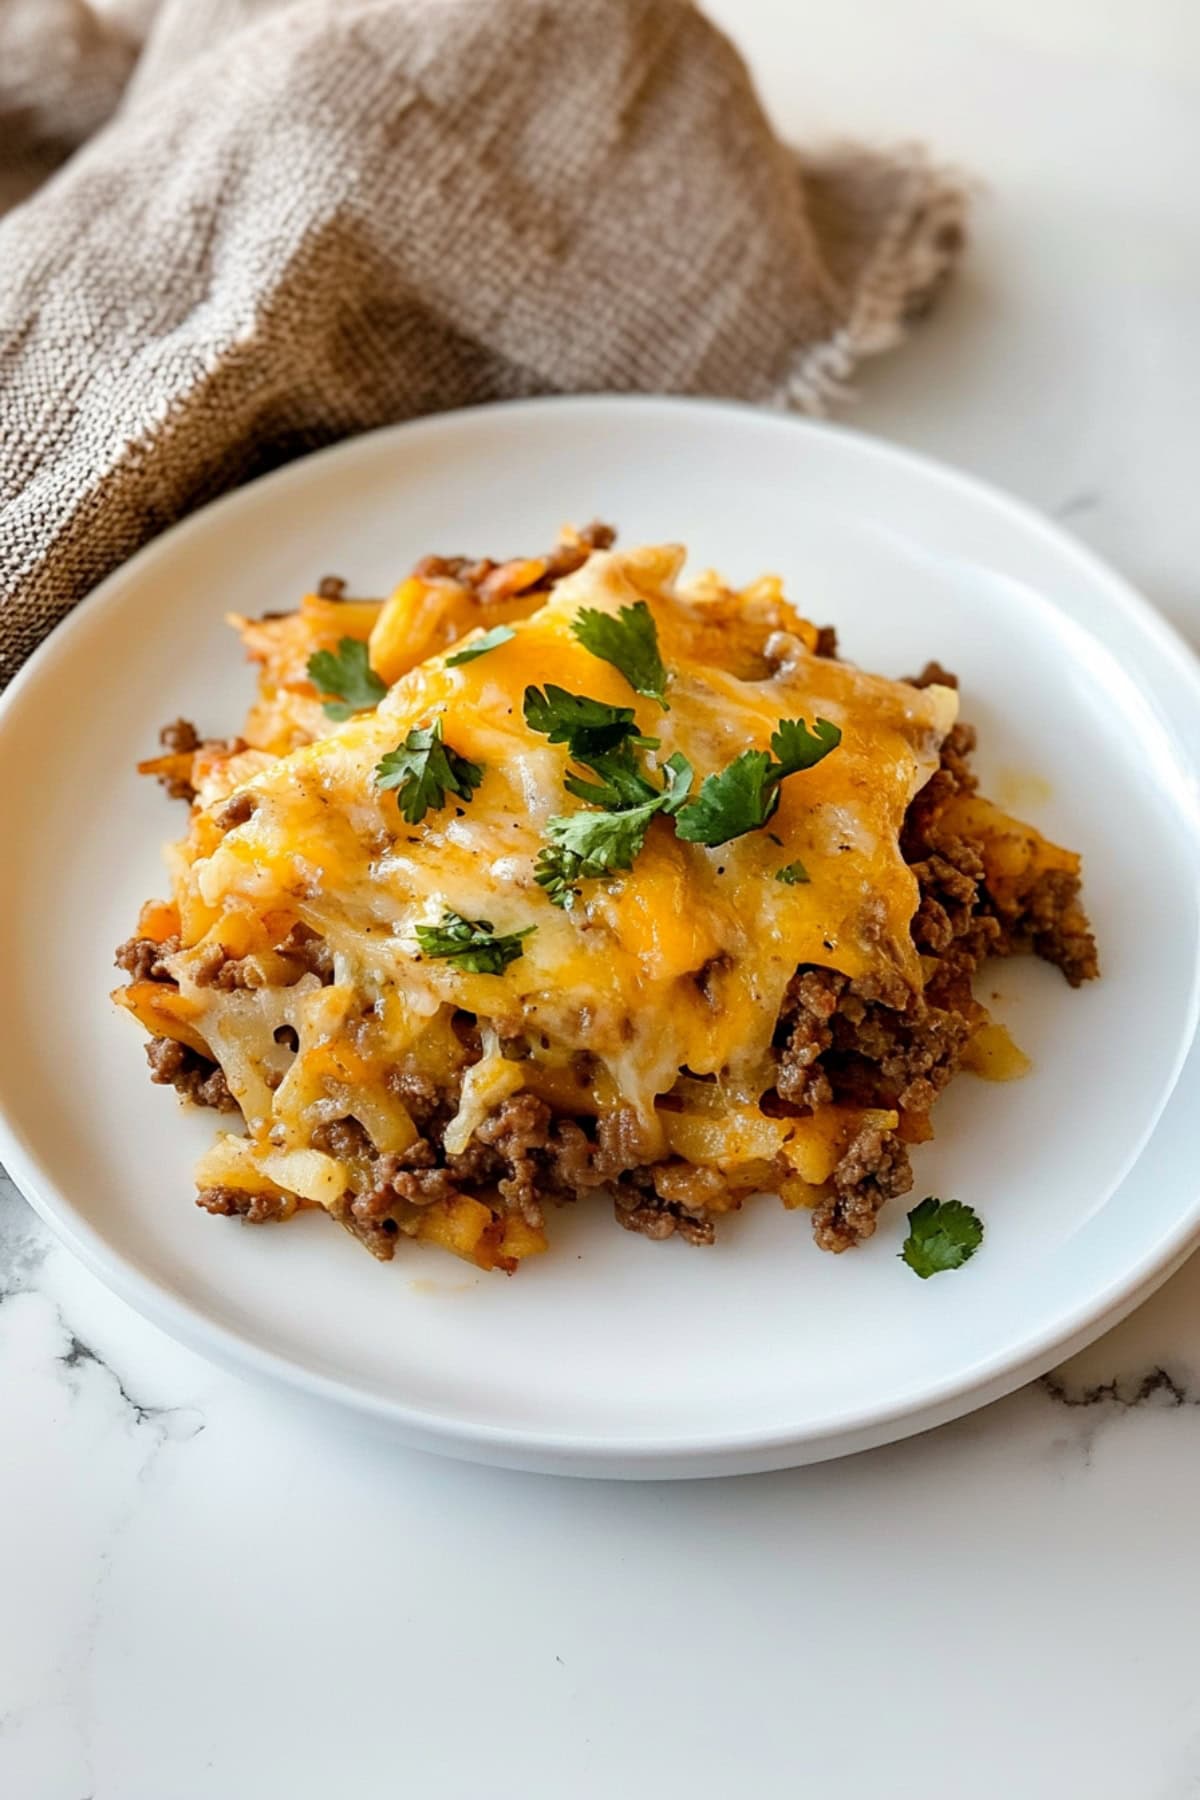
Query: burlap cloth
x,y
304,218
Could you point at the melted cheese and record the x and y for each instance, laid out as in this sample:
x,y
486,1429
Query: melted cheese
x,y
681,963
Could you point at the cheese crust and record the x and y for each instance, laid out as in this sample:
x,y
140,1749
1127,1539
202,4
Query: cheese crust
x,y
647,1021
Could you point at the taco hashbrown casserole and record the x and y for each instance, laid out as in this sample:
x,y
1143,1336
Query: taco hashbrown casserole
x,y
560,877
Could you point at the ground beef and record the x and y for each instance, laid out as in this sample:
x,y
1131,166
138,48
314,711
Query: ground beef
x,y
330,587
192,1076
933,675
653,1217
496,581
231,1202
309,950
236,810
827,642
516,1131
142,958
180,737
873,1169
622,1143
811,1001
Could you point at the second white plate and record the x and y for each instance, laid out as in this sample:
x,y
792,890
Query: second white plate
x,y
613,1355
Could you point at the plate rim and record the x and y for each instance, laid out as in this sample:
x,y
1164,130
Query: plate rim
x,y
538,1448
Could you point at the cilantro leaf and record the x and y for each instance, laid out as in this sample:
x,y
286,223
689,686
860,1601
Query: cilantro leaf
x,y
796,747
739,798
793,874
346,672
620,780
422,769
491,640
587,727
471,944
585,845
744,795
628,640
942,1234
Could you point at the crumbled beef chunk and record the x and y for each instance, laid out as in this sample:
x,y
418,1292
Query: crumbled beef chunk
x,y
420,1095
516,1131
826,644
231,1202
873,1169
309,950
933,675
1057,925
566,557
236,810
192,1076
811,1001
142,958
497,581
653,1217
622,1143
180,737
331,587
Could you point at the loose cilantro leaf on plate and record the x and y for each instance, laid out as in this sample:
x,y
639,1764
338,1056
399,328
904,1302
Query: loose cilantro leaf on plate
x,y
793,874
942,1234
744,795
628,640
491,640
423,769
472,944
346,672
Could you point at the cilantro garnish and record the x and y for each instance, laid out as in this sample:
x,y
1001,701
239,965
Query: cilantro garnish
x,y
744,796
793,874
942,1234
628,640
585,845
422,769
471,944
491,640
346,672
585,726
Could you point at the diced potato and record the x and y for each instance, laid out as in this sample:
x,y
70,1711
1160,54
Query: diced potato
x,y
992,1054
424,618
309,1173
817,1144
741,1134
231,1162
521,1240
796,1193
158,920
163,1011
463,1226
1014,854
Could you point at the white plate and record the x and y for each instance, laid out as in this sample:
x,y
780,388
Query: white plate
x,y
611,1354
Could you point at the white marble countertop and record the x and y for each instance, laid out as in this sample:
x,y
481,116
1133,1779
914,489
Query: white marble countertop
x,y
207,1590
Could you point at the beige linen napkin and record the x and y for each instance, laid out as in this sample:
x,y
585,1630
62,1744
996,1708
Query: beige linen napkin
x,y
305,218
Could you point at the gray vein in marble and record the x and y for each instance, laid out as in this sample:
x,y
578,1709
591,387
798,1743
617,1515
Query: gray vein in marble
x,y
1123,1391
178,1423
25,1245
1097,1405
